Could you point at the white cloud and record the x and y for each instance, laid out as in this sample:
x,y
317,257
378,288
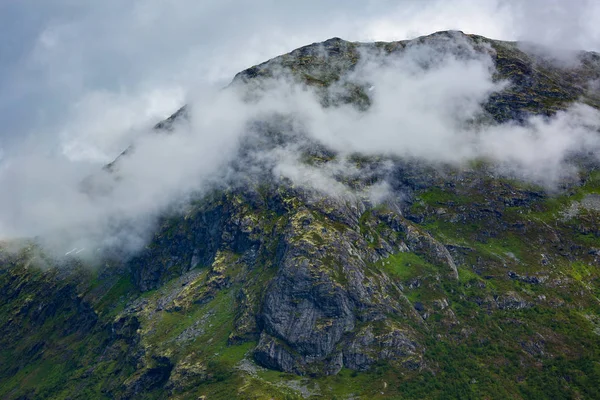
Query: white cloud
x,y
104,123
138,47
98,75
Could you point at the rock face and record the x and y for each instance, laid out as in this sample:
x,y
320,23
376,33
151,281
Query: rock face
x,y
321,294
201,235
459,283
323,290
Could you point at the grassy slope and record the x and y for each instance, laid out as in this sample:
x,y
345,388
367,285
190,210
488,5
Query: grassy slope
x,y
547,348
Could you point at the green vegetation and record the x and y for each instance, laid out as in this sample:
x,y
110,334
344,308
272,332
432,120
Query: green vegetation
x,y
406,266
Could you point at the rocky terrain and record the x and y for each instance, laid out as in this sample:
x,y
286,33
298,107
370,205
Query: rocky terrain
x,y
461,283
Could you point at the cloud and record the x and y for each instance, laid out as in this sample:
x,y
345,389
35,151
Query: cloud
x,y
104,123
541,149
62,53
557,24
71,202
91,79
430,114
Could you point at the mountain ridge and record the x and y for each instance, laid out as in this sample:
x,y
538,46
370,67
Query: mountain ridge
x,y
460,283
334,44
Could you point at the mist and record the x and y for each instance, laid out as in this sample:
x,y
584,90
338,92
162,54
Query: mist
x,y
425,104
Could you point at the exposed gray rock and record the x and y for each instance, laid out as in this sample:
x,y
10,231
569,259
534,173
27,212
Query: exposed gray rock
x,y
511,301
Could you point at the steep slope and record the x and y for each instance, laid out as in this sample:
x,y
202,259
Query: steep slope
x,y
462,282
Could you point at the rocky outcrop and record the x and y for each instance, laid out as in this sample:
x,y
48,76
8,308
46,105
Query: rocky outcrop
x,y
323,290
149,378
395,345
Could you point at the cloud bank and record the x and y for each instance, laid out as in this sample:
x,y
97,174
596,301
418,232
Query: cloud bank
x,y
83,82
425,103
59,56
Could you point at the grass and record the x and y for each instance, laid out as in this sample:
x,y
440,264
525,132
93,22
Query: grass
x,y
406,265
113,302
436,196
472,350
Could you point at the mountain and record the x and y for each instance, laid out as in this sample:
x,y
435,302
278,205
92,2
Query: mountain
x,y
463,282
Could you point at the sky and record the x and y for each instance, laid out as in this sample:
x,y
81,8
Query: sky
x,y
73,72
80,82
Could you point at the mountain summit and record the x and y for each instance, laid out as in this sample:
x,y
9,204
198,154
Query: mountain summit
x,y
389,238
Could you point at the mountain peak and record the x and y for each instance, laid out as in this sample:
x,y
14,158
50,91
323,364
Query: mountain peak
x,y
339,266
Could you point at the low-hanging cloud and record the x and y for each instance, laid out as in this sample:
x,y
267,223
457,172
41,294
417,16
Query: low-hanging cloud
x,y
434,114
59,54
69,202
425,104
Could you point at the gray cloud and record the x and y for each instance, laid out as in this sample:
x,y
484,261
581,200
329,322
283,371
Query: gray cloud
x,y
557,23
93,79
63,53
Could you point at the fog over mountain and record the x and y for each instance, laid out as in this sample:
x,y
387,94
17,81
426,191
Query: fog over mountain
x,y
119,66
425,103
85,82
223,200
